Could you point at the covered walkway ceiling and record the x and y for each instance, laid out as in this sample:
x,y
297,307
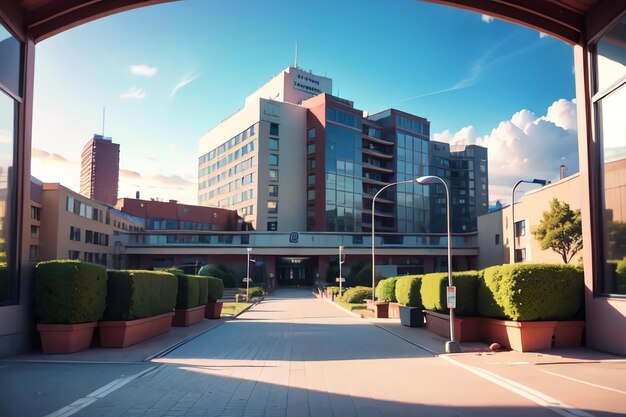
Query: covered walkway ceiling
x,y
564,19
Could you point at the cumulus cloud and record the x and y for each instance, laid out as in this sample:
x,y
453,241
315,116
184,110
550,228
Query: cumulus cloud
x,y
171,180
143,70
133,93
129,174
186,80
542,35
47,157
486,18
525,146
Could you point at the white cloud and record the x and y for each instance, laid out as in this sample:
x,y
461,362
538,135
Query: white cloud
x,y
133,93
526,146
542,35
143,70
486,18
186,80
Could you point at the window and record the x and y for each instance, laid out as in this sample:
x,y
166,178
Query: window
x,y
311,164
272,226
520,255
274,129
35,213
311,134
273,174
520,228
73,254
497,239
273,159
74,234
273,191
89,236
273,144
311,195
311,179
34,232
33,252
311,148
272,207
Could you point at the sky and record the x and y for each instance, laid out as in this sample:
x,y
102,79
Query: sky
x,y
168,73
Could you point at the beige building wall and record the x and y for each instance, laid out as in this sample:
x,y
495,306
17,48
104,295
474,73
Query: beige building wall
x,y
490,240
292,85
57,223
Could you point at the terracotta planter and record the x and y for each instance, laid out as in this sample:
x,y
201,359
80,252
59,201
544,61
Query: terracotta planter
x,y
213,310
189,316
522,336
569,333
466,329
380,308
59,339
127,333
411,316
394,310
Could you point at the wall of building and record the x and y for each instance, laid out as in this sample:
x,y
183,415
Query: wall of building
x,y
490,240
292,85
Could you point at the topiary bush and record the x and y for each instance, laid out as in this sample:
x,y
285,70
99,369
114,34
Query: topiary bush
x,y
203,292
334,290
188,295
408,290
433,292
69,292
386,290
356,295
138,294
216,289
222,272
620,277
527,292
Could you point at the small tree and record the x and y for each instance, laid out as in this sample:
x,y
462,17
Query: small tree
x,y
560,229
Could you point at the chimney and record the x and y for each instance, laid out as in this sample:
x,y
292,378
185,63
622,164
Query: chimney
x,y
137,195
562,170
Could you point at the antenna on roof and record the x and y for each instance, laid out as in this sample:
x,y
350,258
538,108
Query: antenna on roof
x,y
296,62
103,118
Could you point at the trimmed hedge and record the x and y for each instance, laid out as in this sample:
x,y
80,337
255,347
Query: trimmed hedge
x,y
356,295
253,291
138,294
203,293
386,290
69,292
188,295
408,290
216,289
221,272
620,277
527,292
332,289
433,292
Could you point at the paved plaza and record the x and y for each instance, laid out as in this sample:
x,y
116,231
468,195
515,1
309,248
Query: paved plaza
x,y
295,355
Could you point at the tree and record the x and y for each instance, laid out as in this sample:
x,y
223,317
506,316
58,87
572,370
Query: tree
x,y
560,229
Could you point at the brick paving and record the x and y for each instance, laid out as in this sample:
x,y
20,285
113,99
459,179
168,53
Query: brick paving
x,y
294,355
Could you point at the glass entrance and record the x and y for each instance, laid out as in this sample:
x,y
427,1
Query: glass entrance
x,y
294,272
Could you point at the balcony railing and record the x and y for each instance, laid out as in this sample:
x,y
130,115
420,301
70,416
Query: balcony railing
x,y
294,239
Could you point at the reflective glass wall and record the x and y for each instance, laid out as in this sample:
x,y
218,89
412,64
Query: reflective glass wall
x,y
10,95
610,116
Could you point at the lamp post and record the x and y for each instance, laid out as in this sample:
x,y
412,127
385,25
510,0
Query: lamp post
x,y
373,256
340,276
248,274
534,181
452,346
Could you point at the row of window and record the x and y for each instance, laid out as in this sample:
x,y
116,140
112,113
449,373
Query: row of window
x,y
236,199
124,226
234,156
240,167
241,137
341,117
96,238
85,210
413,125
98,258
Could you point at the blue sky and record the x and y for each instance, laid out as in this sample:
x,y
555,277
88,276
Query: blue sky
x,y
168,73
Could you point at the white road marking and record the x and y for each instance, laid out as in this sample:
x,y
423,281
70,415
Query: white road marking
x,y
101,392
526,392
585,382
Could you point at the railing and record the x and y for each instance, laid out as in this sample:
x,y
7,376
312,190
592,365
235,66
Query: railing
x,y
293,239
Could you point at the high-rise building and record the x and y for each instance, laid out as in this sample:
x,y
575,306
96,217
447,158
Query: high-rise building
x,y
99,171
337,159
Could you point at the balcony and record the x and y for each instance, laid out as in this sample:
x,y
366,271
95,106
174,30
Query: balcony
x,y
378,153
368,138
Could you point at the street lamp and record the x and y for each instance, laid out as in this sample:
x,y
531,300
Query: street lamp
x,y
340,276
452,346
373,257
534,181
248,274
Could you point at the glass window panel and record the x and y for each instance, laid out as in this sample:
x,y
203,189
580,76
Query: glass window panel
x,y
611,56
8,277
10,62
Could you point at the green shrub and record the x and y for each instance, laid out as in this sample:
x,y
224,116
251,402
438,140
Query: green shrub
x,y
408,290
332,272
216,289
203,293
69,292
525,292
331,289
356,295
433,292
253,291
620,277
139,294
4,282
188,295
360,275
386,290
171,270
222,272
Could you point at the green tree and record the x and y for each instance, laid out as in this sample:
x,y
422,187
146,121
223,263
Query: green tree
x,y
560,229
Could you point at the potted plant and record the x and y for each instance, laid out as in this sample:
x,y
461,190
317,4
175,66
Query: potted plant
x,y
213,309
189,304
410,300
140,305
69,300
385,293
